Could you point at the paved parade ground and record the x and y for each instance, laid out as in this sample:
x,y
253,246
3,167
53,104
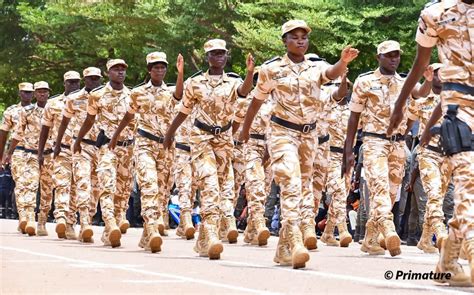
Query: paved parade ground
x,y
47,265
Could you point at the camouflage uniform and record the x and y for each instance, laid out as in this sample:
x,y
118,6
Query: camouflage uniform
x,y
65,198
84,164
448,25
154,106
27,131
433,169
295,89
113,167
255,177
384,159
213,99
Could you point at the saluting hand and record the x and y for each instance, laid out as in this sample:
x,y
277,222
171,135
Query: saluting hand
x,y
348,54
250,63
429,73
180,64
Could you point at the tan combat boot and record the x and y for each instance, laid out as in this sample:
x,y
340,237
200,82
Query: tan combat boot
x,y
283,253
161,226
440,232
262,231
22,220
70,232
154,240
61,227
113,233
308,229
448,263
214,245
299,253
469,246
345,237
381,241
42,218
144,238
122,222
387,228
31,224
370,244
228,230
328,234
185,228
86,232
201,243
250,233
425,244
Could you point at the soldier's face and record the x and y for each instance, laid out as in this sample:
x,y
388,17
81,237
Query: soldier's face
x,y
117,73
297,42
158,72
41,95
26,96
92,82
436,80
71,85
390,60
217,58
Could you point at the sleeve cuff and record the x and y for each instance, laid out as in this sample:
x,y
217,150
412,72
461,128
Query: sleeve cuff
x,y
67,114
4,127
238,119
260,95
356,108
130,110
412,116
424,40
185,110
16,137
91,111
47,123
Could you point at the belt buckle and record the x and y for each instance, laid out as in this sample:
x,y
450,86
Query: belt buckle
x,y
393,138
217,130
306,128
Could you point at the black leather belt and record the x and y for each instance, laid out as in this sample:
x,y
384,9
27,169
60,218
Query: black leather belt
x,y
305,128
434,149
35,152
124,143
458,87
323,139
150,136
395,137
237,143
336,149
257,136
87,141
183,147
65,146
215,130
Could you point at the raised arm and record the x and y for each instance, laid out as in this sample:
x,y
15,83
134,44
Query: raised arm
x,y
178,93
348,54
245,88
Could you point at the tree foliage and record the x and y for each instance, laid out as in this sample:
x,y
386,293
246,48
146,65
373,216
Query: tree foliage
x,y
40,40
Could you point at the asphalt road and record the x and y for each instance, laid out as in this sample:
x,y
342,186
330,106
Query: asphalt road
x,y
47,265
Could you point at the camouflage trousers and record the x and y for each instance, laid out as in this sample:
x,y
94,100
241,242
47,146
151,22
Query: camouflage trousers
x,y
18,168
337,188
153,170
435,179
114,172
384,164
84,166
238,164
212,166
184,180
320,174
255,178
27,183
292,154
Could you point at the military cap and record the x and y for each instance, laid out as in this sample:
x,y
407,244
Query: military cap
x,y
156,57
25,86
114,62
42,85
294,24
91,71
388,46
72,75
214,44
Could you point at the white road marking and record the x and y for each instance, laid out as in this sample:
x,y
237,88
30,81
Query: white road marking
x,y
140,271
152,281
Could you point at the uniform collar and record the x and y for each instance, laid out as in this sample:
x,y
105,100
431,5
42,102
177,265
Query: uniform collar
x,y
286,61
109,88
379,75
150,85
450,3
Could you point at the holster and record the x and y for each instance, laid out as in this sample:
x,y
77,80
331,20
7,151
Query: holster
x,y
455,135
101,139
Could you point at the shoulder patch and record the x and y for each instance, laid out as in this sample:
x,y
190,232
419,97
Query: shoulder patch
x,y
366,74
431,3
276,58
196,74
233,75
98,88
139,84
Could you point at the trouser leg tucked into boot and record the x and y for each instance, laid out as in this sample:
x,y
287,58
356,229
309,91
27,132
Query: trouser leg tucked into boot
x,y
425,244
345,237
370,244
42,218
328,234
154,240
308,229
392,241
299,253
31,224
283,252
86,232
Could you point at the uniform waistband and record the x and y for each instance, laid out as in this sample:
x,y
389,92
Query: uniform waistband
x,y
304,128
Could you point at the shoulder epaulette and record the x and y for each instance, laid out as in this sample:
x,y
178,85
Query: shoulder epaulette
x,y
233,75
29,107
316,59
75,91
98,88
366,74
140,84
170,84
54,96
272,60
196,74
431,3
403,75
